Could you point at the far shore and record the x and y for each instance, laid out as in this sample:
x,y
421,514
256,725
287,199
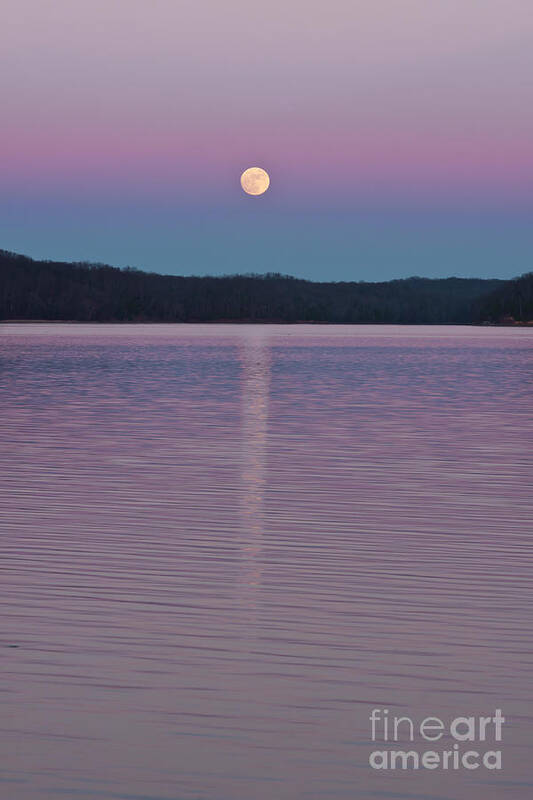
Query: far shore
x,y
502,324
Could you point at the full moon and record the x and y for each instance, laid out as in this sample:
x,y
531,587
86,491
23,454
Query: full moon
x,y
255,180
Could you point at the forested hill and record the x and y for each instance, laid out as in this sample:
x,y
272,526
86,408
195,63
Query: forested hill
x,y
512,299
49,290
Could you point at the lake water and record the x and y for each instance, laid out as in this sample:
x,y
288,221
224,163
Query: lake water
x,y
223,546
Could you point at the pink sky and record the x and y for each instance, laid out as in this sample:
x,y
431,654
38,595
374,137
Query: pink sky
x,y
340,101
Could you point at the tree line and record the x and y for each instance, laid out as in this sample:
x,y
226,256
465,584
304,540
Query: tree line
x,y
51,290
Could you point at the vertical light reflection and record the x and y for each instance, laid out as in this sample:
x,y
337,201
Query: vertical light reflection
x,y
255,360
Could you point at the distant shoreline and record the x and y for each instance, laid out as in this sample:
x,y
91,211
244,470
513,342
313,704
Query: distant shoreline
x,y
53,291
515,324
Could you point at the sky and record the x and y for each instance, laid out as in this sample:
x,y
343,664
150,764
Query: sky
x,y
398,135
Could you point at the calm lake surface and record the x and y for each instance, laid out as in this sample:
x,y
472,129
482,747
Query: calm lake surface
x,y
223,546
